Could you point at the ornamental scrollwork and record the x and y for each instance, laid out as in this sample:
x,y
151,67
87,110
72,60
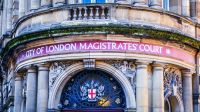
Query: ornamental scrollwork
x,y
128,68
57,68
172,82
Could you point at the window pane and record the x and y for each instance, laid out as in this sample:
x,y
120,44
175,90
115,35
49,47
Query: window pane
x,y
166,4
100,1
86,1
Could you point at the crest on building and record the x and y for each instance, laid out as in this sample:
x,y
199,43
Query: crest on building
x,y
92,91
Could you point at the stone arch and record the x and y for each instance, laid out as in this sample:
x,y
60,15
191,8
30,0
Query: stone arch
x,y
54,96
177,99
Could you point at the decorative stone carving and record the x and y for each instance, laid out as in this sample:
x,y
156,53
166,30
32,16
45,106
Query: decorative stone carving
x,y
172,82
128,68
57,68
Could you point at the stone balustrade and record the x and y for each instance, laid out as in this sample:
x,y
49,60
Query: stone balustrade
x,y
89,12
116,14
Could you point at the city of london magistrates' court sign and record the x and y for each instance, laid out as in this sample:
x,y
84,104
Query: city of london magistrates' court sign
x,y
109,46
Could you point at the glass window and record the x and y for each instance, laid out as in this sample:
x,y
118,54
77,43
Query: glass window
x,y
87,1
166,5
100,1
94,1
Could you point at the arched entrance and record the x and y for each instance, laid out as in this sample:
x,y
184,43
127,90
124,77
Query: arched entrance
x,y
71,71
92,91
172,104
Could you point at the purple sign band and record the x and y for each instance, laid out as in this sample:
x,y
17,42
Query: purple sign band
x,y
110,46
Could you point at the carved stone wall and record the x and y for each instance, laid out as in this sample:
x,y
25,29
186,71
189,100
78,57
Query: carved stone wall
x,y
172,82
57,68
128,68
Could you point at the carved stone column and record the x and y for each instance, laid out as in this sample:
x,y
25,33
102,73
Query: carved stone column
x,y
58,2
158,88
142,86
45,3
43,88
187,91
156,4
18,93
140,3
31,90
185,9
35,4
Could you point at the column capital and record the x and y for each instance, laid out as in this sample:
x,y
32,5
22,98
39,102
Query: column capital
x,y
18,78
187,72
142,62
31,68
158,64
43,66
19,75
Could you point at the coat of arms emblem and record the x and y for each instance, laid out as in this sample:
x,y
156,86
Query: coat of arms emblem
x,y
92,91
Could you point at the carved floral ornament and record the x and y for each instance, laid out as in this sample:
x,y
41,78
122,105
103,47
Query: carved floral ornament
x,y
57,68
172,82
128,68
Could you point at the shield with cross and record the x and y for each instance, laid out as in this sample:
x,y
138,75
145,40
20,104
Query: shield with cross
x,y
91,91
91,94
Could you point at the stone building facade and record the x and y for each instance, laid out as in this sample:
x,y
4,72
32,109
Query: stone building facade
x,y
100,55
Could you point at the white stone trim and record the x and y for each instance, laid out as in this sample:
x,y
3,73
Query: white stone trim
x,y
60,82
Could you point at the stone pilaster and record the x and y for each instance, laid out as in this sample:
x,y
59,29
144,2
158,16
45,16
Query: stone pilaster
x,y
198,10
9,15
1,17
158,88
35,4
45,3
187,90
15,13
21,8
58,2
43,88
31,96
18,93
143,3
196,87
185,9
142,86
156,4
4,25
